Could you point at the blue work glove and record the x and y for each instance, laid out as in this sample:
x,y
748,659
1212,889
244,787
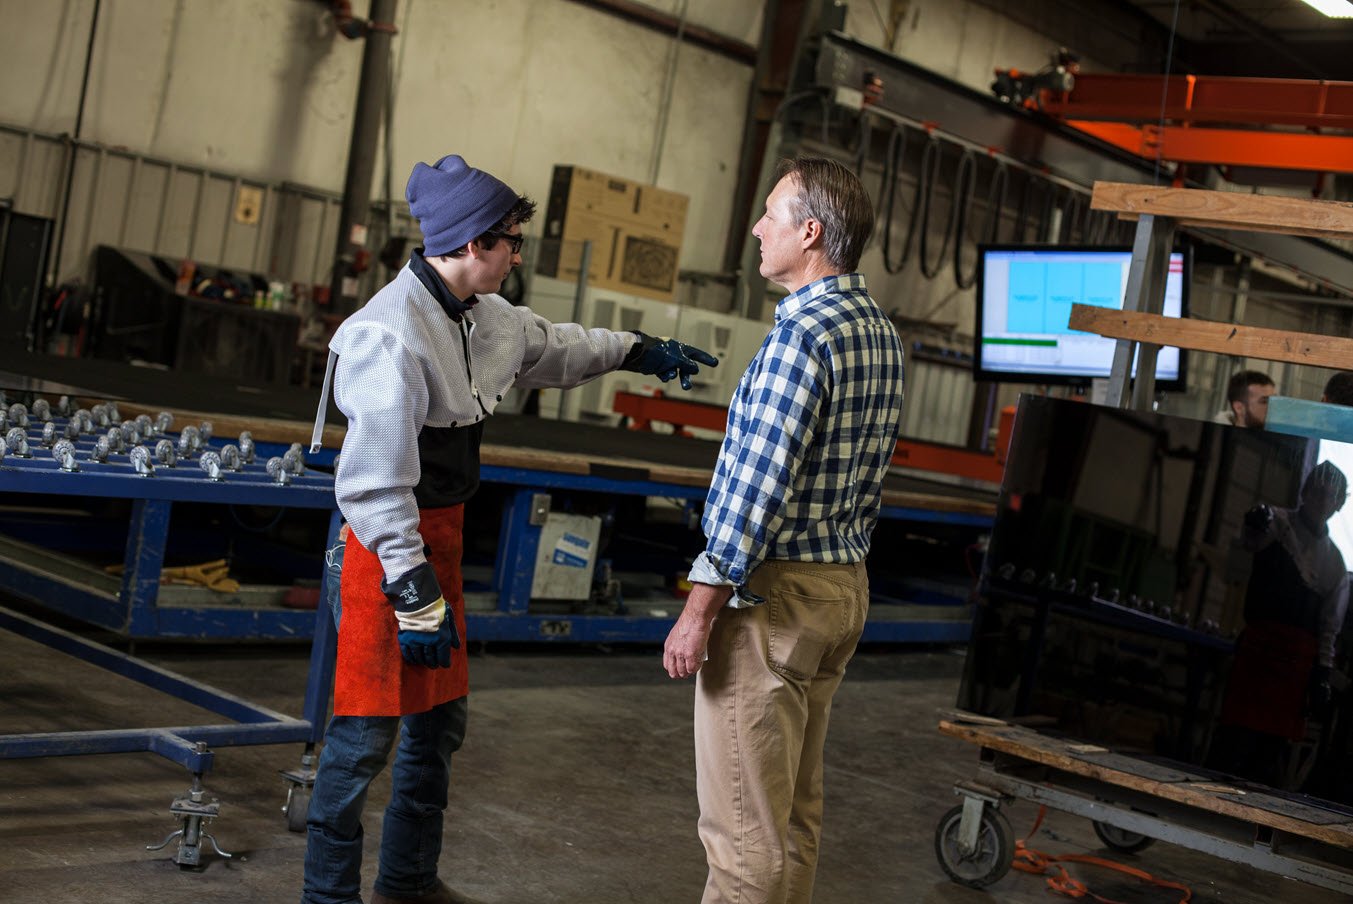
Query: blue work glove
x,y
427,630
666,359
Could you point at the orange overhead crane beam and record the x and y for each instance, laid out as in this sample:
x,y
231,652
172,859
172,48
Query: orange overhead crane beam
x,y
1231,147
1258,122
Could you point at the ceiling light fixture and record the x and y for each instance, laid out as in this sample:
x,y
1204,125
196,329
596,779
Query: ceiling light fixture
x,y
1335,9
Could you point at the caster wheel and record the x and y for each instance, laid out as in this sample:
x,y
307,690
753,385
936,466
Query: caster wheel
x,y
298,803
1122,840
988,862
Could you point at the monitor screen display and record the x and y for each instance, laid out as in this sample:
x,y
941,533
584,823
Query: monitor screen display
x,y
1024,298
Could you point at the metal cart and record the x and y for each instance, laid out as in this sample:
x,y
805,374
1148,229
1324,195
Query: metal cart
x,y
63,453
1133,802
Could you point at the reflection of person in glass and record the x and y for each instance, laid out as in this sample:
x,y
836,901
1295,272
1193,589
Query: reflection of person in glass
x,y
1294,606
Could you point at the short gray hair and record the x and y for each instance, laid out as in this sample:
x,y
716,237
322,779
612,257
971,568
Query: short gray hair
x,y
831,194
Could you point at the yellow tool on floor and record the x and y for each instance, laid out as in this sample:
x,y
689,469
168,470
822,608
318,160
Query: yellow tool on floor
x,y
213,575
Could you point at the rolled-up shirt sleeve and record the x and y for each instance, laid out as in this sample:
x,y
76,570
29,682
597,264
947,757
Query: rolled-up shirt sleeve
x,y
379,387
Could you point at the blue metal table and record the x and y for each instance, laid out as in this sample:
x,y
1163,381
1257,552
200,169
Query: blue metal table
x,y
134,611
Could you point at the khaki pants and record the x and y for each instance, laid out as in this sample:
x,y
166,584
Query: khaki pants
x,y
762,702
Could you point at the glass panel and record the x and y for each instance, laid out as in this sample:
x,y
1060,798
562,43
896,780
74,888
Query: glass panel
x,y
1168,587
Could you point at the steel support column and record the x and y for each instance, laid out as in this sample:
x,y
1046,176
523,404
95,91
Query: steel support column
x,y
1146,293
366,124
781,44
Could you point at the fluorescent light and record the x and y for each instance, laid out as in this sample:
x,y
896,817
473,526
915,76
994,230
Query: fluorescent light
x,y
1335,9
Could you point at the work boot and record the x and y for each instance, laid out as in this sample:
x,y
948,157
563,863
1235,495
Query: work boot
x,y
440,895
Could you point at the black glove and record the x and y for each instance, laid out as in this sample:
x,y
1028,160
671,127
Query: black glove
x,y
427,630
1319,693
1259,518
666,358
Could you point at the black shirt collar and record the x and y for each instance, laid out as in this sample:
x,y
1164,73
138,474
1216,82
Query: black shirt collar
x,y
432,281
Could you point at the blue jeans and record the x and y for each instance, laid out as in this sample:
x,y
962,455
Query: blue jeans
x,y
356,749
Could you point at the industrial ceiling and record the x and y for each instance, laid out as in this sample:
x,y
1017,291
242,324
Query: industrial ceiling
x,y
1271,38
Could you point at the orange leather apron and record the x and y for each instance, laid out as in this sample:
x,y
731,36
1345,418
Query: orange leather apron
x,y
1266,691
371,678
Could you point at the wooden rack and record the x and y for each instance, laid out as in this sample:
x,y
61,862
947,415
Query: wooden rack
x,y
1159,211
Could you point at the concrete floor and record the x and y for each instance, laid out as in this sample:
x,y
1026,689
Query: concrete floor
x,y
575,785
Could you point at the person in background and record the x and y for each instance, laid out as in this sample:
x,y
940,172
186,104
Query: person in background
x,y
1295,602
1247,394
1339,389
417,371
1246,399
779,596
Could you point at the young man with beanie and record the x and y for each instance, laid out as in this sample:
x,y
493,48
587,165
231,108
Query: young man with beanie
x,y
780,594
416,371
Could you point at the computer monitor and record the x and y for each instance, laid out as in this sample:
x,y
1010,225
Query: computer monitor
x,y
1024,298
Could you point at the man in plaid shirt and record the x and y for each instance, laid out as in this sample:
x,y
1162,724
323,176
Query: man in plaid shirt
x,y
780,594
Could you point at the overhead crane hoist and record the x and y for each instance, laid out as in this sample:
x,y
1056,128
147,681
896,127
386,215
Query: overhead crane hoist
x,y
1267,123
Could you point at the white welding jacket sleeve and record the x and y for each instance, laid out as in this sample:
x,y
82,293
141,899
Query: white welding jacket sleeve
x,y
1332,621
380,388
566,354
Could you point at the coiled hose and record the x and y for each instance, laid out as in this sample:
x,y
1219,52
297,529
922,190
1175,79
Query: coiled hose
x,y
893,159
995,203
931,159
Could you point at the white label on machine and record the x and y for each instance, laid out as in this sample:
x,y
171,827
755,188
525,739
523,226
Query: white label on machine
x,y
573,551
566,557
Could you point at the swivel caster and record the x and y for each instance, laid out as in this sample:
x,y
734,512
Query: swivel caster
x,y
979,853
300,786
1121,839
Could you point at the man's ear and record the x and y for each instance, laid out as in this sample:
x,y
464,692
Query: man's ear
x,y
810,232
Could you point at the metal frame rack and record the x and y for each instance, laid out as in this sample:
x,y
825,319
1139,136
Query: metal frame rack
x,y
519,542
1134,800
81,464
138,609
141,610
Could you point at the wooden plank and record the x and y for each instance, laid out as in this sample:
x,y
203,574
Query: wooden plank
x,y
275,430
264,429
1223,338
1053,752
1136,766
1227,210
584,465
1292,808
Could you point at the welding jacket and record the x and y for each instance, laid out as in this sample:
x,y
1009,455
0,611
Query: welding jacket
x,y
406,363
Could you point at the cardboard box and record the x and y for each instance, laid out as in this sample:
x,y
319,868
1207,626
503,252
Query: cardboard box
x,y
635,230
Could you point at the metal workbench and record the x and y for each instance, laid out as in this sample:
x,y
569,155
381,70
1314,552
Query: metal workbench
x,y
527,463
71,469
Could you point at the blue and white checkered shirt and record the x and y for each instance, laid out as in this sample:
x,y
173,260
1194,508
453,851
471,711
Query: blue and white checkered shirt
x,y
810,435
